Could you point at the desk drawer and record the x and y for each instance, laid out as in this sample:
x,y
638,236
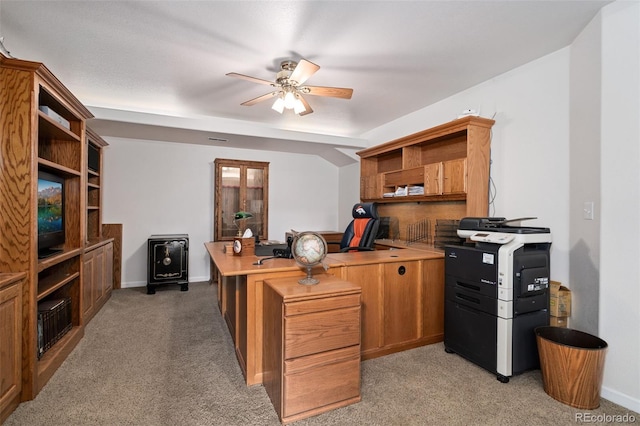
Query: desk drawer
x,y
321,331
332,377
324,304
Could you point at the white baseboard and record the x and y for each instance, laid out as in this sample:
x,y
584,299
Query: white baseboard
x,y
621,399
132,284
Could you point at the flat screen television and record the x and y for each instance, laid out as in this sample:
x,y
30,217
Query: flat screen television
x,y
93,159
50,213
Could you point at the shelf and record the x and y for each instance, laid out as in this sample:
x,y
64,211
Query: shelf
x,y
420,198
49,262
55,130
50,165
52,283
55,356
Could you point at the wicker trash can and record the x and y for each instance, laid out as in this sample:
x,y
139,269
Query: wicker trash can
x,y
572,364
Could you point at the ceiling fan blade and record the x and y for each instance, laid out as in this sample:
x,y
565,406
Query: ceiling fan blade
x,y
249,78
260,98
303,71
307,107
334,92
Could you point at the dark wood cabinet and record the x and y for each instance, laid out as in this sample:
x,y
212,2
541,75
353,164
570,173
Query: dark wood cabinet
x,y
241,186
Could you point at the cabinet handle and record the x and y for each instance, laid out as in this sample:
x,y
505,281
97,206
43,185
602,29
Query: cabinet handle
x,y
402,270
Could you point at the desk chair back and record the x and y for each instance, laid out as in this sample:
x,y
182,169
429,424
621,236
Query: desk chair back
x,y
361,232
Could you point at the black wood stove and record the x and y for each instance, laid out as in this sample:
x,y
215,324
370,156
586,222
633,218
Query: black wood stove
x,y
168,261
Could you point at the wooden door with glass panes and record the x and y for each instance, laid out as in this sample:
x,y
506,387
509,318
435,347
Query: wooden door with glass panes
x,y
241,198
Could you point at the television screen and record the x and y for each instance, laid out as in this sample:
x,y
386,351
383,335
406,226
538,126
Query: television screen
x,y
50,213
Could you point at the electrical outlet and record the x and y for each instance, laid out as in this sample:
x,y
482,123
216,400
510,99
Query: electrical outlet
x,y
587,210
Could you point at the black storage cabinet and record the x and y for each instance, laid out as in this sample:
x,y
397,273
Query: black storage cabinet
x,y
168,261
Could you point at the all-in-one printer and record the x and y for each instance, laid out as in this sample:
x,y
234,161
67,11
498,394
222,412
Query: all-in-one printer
x,y
496,294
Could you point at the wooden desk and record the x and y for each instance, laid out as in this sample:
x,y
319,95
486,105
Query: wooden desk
x,y
240,293
402,298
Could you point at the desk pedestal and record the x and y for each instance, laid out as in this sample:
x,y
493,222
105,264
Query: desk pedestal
x,y
311,355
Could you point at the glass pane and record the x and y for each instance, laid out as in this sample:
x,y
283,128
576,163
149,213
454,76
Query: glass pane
x,y
254,204
230,199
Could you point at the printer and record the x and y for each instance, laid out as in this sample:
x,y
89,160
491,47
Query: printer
x,y
497,293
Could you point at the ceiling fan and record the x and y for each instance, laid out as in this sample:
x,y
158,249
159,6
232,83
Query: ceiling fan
x,y
290,87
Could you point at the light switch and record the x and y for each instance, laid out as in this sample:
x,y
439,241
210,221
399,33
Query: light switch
x,y
587,210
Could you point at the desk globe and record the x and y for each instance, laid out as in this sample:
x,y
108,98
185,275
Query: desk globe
x,y
309,249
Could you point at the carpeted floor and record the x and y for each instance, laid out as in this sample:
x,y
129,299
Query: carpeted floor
x,y
168,359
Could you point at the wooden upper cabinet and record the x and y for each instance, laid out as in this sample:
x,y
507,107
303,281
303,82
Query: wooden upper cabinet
x,y
241,186
444,163
438,173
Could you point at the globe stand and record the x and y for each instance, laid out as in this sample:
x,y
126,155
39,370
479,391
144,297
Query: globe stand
x,y
309,280
308,249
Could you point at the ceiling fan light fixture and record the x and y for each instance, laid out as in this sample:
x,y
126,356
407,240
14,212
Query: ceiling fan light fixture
x,y
278,105
289,100
298,106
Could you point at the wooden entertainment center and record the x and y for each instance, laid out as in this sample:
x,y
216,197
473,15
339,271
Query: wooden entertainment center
x,y
43,129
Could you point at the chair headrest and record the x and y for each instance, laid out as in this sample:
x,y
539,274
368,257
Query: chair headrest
x,y
365,211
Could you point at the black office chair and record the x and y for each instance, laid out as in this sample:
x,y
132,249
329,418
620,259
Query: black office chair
x,y
361,232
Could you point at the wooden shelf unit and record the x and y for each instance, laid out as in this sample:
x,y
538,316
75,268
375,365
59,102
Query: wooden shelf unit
x,y
32,141
95,144
450,162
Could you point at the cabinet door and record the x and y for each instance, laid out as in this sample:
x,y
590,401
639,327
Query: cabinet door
x,y
11,344
433,179
88,289
107,282
433,298
368,277
401,302
98,277
455,176
241,186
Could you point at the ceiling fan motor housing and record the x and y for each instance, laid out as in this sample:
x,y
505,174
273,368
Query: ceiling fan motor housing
x,y
286,68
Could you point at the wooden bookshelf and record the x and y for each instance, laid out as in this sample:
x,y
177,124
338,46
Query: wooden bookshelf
x,y
42,128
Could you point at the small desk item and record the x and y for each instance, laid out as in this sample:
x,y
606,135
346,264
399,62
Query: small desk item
x,y
244,246
168,261
311,357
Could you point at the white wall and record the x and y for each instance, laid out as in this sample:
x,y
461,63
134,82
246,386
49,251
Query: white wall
x,y
584,167
619,322
160,188
349,193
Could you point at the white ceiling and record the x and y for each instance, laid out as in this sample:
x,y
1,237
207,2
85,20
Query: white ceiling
x,y
156,69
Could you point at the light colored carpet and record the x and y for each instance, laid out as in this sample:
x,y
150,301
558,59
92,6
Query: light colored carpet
x,y
168,359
